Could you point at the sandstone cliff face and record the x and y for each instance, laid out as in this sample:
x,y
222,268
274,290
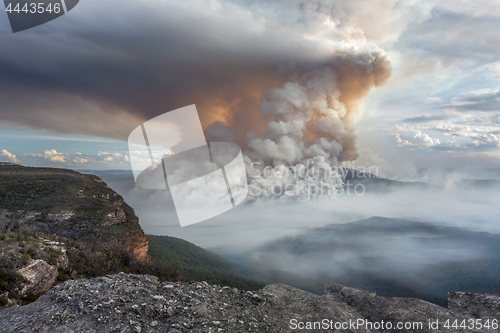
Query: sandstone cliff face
x,y
140,303
135,241
138,245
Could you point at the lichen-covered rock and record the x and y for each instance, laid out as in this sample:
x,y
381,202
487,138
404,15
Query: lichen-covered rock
x,y
40,277
480,306
140,303
60,217
63,261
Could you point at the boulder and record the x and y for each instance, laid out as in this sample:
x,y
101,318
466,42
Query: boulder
x,y
397,309
40,277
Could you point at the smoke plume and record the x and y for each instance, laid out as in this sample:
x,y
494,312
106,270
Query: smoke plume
x,y
311,121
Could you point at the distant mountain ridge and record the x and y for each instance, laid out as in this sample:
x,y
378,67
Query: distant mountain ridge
x,y
395,257
487,184
373,183
351,177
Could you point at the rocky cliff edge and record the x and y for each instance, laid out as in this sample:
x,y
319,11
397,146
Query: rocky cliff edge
x,y
140,303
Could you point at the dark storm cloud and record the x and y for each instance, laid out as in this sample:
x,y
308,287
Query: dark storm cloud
x,y
107,66
136,66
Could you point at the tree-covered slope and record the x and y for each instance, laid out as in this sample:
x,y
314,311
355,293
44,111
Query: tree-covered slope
x,y
197,264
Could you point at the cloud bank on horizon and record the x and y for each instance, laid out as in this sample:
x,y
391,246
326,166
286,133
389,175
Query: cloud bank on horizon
x,y
286,80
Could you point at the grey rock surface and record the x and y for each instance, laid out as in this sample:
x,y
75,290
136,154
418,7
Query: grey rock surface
x,y
481,306
140,303
398,309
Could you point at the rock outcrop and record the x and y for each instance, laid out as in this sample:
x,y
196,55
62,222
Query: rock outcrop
x,y
480,306
135,241
70,206
40,277
140,303
116,217
395,309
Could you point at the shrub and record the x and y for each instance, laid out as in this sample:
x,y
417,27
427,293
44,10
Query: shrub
x,y
32,253
26,259
62,276
30,298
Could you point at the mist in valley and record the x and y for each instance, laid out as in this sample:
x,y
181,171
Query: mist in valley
x,y
396,238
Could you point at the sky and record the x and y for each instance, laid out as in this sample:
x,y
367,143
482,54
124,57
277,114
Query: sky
x,y
415,83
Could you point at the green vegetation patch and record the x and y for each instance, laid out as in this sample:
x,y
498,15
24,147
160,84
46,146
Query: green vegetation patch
x,y
197,264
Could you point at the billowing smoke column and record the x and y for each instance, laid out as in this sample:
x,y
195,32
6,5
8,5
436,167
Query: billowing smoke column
x,y
311,125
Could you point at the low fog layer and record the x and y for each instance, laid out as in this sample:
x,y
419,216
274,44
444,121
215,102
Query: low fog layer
x,y
458,203
440,238
394,257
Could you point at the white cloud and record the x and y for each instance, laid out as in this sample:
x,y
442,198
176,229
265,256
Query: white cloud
x,y
484,120
433,100
461,137
80,160
400,142
10,156
101,160
480,93
472,8
425,140
418,139
115,157
53,156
